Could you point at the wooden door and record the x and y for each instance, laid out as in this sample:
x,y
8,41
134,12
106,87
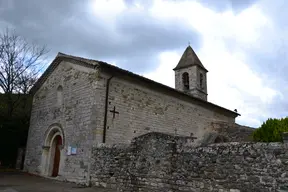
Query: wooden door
x,y
57,156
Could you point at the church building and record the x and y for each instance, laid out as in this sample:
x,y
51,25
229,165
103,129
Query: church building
x,y
79,103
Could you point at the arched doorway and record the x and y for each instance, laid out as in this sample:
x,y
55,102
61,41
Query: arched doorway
x,y
52,151
57,144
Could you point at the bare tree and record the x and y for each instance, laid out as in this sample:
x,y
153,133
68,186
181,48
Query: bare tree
x,y
20,64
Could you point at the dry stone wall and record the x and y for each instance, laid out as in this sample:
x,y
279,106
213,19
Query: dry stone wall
x,y
160,162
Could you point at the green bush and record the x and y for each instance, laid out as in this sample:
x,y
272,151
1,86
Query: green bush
x,y
271,130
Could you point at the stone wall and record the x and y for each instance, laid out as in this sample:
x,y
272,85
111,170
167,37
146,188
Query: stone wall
x,y
74,115
80,113
194,81
141,109
160,162
20,158
221,132
232,131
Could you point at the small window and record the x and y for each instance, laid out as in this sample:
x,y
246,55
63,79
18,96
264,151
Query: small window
x,y
59,95
201,80
185,79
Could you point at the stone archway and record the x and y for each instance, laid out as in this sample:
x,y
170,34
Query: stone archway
x,y
53,153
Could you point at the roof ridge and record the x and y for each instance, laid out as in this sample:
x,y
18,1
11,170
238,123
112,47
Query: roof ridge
x,y
60,56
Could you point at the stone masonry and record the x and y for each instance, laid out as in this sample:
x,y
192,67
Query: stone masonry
x,y
190,63
194,74
75,116
70,101
161,162
142,110
221,132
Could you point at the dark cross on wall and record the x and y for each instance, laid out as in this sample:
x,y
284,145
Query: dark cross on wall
x,y
114,112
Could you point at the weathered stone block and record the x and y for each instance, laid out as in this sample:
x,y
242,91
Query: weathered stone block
x,y
212,171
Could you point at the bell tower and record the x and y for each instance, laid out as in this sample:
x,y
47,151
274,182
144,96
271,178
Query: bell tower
x,y
191,75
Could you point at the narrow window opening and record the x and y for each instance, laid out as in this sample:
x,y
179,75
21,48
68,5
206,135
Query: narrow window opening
x,y
59,95
185,79
201,80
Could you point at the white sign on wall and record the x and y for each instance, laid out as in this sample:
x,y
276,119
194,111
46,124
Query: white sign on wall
x,y
73,151
69,150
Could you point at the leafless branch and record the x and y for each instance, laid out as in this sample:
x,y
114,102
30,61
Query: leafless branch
x,y
20,63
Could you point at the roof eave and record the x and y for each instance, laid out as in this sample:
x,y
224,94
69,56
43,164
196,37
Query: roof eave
x,y
119,70
60,57
44,76
183,67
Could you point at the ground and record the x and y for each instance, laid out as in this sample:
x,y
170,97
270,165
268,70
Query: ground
x,y
22,182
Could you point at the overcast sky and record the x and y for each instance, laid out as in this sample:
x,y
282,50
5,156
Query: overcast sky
x,y
243,43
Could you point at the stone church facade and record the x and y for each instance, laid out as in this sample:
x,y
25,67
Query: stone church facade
x,y
79,103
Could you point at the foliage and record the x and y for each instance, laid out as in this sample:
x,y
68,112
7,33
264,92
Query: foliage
x,y
13,129
271,130
22,105
20,65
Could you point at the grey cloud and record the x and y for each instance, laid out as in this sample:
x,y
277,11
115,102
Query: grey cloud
x,y
66,27
270,60
148,36
144,3
222,5
218,5
273,72
273,64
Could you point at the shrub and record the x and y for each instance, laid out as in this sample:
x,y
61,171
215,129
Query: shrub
x,y
271,130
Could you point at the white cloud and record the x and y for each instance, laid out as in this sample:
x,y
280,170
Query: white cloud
x,y
164,73
107,9
231,83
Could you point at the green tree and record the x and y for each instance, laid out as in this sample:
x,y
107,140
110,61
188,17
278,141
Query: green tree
x,y
271,130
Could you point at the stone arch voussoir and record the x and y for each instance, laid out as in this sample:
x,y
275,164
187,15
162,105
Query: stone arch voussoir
x,y
53,129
